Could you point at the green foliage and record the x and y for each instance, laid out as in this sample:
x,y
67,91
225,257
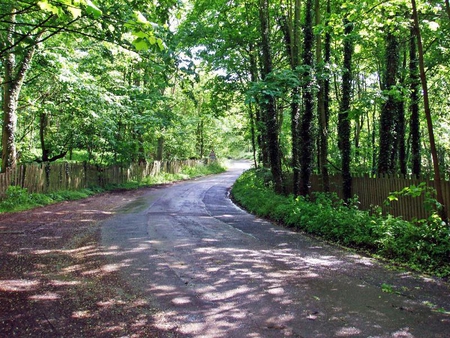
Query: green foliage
x,y
430,203
18,199
422,245
214,167
15,197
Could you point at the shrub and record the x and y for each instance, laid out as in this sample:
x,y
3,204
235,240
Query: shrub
x,y
15,196
423,245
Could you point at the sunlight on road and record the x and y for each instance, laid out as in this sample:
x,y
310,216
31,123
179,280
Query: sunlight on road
x,y
216,271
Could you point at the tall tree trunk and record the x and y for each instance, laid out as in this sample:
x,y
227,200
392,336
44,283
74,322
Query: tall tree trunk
x,y
141,150
414,81
426,103
292,41
200,138
400,124
269,100
322,99
306,134
160,149
447,8
13,77
389,110
259,126
344,122
43,121
253,134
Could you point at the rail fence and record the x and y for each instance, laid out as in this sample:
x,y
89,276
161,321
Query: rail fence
x,y
44,178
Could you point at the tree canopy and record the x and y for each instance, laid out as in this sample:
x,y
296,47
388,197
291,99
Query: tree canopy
x,y
306,87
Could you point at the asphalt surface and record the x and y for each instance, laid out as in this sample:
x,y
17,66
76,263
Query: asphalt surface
x,y
216,271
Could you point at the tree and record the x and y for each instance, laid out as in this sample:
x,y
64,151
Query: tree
x,y
389,111
291,25
29,24
323,94
414,83
269,104
344,120
306,135
423,77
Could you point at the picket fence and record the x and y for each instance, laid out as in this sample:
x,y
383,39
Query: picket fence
x,y
45,178
373,191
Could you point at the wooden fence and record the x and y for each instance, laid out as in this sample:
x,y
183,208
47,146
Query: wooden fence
x,y
373,191
43,178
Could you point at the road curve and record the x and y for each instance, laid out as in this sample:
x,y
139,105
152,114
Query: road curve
x,y
215,271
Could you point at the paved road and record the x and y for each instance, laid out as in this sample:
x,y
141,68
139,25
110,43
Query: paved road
x,y
216,271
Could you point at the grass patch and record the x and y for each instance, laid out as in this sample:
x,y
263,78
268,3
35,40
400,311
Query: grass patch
x,y
423,245
18,199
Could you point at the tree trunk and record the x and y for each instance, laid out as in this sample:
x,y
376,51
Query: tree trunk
x,y
160,149
43,120
322,100
306,134
13,78
200,138
269,100
258,126
414,81
426,103
292,42
447,8
400,150
344,122
389,110
253,134
141,150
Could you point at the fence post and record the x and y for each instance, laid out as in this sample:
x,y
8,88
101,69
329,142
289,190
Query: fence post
x,y
66,169
47,175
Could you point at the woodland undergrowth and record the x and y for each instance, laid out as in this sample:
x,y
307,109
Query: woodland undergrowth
x,y
422,245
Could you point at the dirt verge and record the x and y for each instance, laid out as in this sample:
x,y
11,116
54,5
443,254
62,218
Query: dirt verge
x,y
55,280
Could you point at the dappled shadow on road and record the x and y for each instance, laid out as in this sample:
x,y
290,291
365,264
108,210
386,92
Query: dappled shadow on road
x,y
70,293
55,280
219,284
183,270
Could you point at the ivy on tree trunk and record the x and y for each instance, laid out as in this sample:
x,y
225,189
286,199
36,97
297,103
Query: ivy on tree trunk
x,y
306,134
344,121
269,103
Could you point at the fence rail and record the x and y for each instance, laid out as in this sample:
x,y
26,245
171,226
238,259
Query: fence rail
x,y
43,178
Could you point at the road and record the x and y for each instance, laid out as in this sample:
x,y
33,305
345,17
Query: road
x,y
216,271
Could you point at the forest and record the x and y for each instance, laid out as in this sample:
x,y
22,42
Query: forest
x,y
312,86
300,87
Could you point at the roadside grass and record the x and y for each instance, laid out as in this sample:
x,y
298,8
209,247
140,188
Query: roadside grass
x,y
18,199
422,245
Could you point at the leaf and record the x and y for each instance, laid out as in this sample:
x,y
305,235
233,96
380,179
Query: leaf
x,y
161,44
93,10
45,6
140,17
139,34
140,44
75,11
392,198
